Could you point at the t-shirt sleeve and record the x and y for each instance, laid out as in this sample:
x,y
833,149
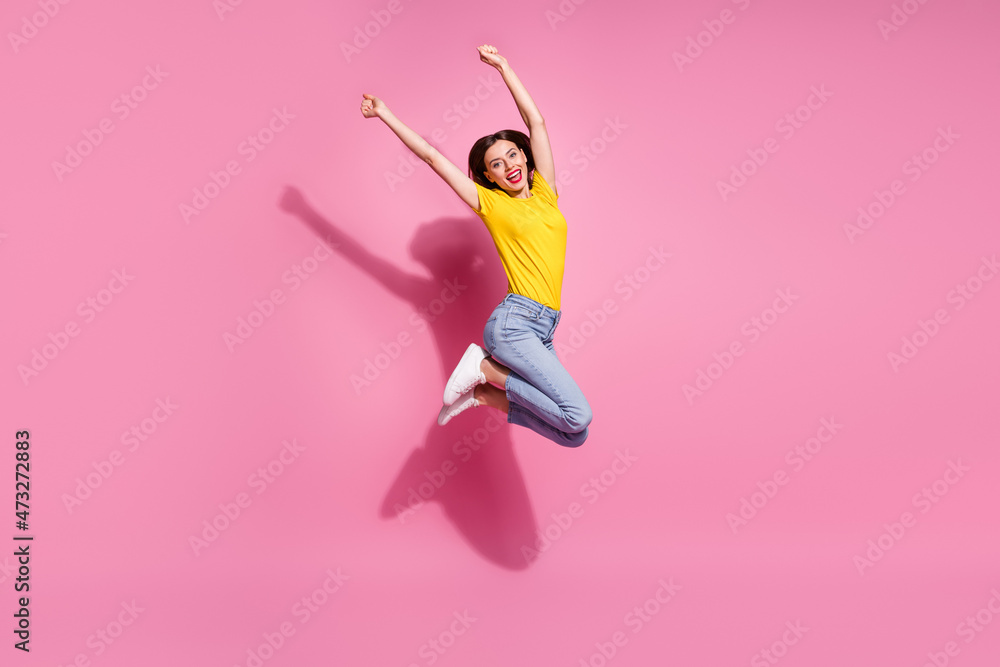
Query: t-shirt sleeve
x,y
486,199
539,182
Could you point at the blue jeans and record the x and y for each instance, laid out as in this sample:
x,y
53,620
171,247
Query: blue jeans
x,y
541,393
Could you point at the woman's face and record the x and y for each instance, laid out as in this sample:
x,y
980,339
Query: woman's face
x,y
507,166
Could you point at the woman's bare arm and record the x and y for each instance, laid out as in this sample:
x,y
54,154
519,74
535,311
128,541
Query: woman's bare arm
x,y
463,186
541,151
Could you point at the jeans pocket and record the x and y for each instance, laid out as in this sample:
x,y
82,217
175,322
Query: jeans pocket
x,y
522,313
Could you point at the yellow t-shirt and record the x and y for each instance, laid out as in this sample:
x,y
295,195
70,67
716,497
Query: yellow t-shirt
x,y
530,235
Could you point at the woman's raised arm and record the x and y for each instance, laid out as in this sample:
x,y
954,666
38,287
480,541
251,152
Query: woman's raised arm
x,y
541,151
463,186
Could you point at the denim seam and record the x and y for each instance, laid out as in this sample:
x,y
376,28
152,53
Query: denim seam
x,y
559,416
552,389
529,416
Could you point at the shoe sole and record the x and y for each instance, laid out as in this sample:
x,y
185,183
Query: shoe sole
x,y
446,408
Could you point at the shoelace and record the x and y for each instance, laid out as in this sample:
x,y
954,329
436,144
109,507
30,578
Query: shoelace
x,y
478,380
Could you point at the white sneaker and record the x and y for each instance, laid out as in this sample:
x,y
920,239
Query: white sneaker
x,y
466,375
464,402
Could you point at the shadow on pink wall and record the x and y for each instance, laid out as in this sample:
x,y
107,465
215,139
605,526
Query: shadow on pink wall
x,y
467,466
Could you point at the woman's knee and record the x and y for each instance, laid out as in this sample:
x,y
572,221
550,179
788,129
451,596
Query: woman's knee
x,y
578,418
575,439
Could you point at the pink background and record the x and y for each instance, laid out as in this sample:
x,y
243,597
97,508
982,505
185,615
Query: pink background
x,y
670,134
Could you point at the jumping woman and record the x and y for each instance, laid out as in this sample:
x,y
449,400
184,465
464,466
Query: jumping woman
x,y
513,191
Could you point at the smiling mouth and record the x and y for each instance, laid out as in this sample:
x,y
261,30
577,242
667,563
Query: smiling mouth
x,y
514,176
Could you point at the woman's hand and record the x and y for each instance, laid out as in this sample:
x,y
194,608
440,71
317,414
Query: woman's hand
x,y
372,107
488,54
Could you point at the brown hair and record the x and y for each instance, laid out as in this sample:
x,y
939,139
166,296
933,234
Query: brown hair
x,y
477,156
